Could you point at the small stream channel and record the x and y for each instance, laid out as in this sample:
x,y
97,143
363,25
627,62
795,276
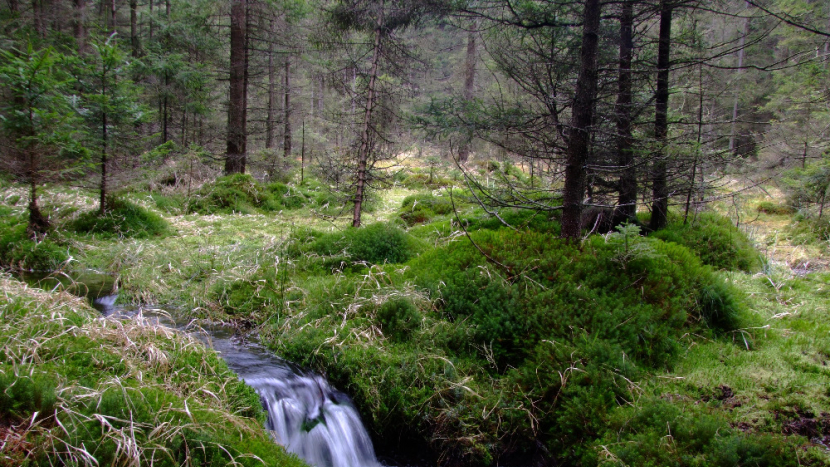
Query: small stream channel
x,y
305,414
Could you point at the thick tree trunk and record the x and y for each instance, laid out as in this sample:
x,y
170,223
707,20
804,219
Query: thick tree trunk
x,y
286,107
237,132
625,155
469,87
365,147
579,137
80,25
136,48
660,187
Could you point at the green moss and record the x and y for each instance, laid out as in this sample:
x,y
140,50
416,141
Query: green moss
x,y
123,219
715,240
17,251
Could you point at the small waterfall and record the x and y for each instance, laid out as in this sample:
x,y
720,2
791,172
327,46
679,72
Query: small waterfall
x,y
314,421
307,416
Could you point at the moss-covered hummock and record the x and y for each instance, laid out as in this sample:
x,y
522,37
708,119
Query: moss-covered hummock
x,y
76,390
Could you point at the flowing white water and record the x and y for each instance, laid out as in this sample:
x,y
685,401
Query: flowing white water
x,y
306,415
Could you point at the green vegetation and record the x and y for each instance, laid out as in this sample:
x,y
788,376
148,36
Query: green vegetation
x,y
110,392
715,240
497,348
17,251
123,219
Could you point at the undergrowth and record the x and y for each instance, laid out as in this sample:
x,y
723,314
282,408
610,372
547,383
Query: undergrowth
x,y
480,358
83,391
122,219
715,240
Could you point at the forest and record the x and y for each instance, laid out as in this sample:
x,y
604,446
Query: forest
x,y
511,232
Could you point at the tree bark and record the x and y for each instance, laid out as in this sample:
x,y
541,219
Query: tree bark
x,y
237,132
136,48
469,87
579,137
80,25
113,17
286,107
627,203
272,86
732,149
660,187
365,147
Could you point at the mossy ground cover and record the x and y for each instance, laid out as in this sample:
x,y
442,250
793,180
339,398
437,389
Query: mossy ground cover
x,y
76,389
615,353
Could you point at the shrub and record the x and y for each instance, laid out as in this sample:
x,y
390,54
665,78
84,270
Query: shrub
x,y
715,240
123,219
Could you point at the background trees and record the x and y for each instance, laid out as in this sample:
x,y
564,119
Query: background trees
x,y
684,95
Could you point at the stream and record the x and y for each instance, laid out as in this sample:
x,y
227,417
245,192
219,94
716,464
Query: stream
x,y
305,414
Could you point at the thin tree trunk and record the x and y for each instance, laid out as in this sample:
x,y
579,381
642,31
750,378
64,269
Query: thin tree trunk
x,y
165,118
580,137
741,51
469,86
237,134
134,28
693,178
152,20
113,17
363,151
272,86
286,107
625,156
104,157
660,187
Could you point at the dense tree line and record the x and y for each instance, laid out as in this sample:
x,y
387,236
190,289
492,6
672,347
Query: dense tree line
x,y
610,106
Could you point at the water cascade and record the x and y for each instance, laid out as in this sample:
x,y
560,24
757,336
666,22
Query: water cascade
x,y
306,415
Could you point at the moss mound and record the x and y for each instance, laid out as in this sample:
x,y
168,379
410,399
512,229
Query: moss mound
x,y
377,243
123,219
238,193
715,240
543,339
17,251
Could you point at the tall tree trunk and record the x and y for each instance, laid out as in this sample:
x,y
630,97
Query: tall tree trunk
x,y
14,7
37,17
660,187
237,133
469,86
741,51
113,17
104,153
579,137
134,28
625,155
80,25
286,108
365,147
152,21
272,86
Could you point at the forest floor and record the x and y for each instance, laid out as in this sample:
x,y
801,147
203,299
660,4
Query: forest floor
x,y
769,376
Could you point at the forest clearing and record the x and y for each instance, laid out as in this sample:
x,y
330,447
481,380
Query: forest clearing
x,y
363,233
